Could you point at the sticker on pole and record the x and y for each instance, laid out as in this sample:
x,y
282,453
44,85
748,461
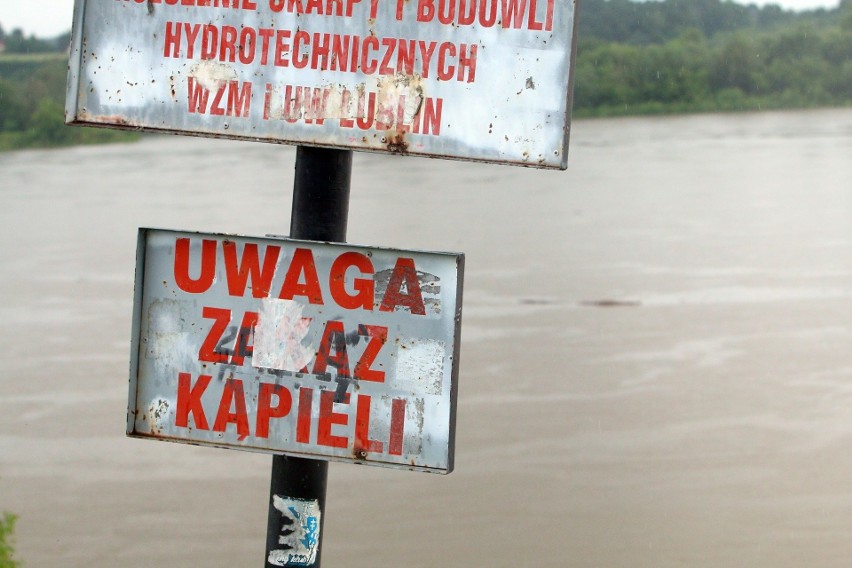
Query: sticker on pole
x,y
299,539
327,351
485,80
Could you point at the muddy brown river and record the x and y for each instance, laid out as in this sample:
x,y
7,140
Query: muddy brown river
x,y
656,363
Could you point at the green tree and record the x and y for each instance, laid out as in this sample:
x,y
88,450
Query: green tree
x,y
737,65
13,107
47,125
675,72
603,75
17,42
7,548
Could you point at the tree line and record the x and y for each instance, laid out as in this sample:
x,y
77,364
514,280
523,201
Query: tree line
x,y
708,55
633,58
32,105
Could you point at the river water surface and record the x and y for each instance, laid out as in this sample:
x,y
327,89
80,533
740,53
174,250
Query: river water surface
x,y
656,365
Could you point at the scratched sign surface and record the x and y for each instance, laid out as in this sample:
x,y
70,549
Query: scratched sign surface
x,y
486,80
327,351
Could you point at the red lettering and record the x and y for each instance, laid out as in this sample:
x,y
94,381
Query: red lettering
x,y
302,264
232,395
239,99
317,104
282,48
406,53
513,13
426,52
300,61
319,53
363,443
446,70
266,35
209,41
366,110
425,10
328,418
216,108
378,337
390,47
171,43
333,337
432,111
467,62
240,271
191,35
208,266
208,352
467,17
404,275
227,49
368,63
242,348
247,46
265,410
532,23
397,426
349,5
340,53
292,104
189,401
489,19
303,420
548,20
446,12
363,287
267,102
344,103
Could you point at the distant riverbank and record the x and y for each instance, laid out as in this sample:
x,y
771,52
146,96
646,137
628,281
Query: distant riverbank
x,y
727,58
32,113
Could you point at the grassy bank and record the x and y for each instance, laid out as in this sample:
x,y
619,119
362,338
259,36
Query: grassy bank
x,y
32,105
7,537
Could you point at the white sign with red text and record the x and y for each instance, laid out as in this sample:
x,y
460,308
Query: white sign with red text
x,y
486,80
326,351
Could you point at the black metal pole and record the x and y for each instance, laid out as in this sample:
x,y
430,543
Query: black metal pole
x,y
320,213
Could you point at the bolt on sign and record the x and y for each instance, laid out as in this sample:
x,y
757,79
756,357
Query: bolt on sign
x,y
485,80
326,351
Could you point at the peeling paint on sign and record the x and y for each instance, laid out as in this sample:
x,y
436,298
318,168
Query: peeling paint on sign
x,y
212,75
485,80
279,336
327,351
300,535
419,365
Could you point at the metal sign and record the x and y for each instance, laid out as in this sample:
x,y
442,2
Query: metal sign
x,y
485,80
327,351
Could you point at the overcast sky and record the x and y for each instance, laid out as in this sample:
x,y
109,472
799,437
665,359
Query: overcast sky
x,y
48,18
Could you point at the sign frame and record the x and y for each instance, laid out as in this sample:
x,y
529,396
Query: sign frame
x,y
155,416
507,100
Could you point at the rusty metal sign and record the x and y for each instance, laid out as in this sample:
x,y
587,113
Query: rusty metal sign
x,y
485,80
327,351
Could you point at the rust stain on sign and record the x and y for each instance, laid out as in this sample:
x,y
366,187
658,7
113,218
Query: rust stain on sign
x,y
330,351
417,78
397,143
